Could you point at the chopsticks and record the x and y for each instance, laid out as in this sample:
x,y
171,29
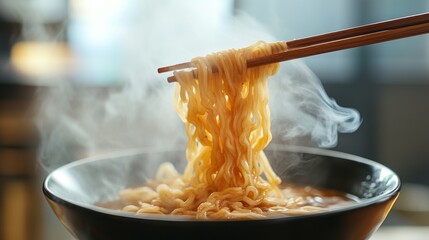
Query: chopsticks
x,y
334,41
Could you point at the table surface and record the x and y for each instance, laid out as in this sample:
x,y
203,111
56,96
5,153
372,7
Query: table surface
x,y
401,233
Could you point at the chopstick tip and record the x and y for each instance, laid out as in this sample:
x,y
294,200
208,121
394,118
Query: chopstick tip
x,y
163,69
171,79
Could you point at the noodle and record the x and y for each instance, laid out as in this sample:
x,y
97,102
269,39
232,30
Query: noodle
x,y
227,122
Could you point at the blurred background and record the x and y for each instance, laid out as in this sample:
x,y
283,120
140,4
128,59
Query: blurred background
x,y
44,43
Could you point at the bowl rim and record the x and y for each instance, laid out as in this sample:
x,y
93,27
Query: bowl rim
x,y
49,193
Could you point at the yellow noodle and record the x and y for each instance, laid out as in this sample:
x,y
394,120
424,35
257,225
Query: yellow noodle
x,y
227,122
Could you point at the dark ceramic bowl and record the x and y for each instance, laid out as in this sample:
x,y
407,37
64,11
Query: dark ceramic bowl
x,y
74,190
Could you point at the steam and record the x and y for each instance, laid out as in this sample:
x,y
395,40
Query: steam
x,y
77,119
302,112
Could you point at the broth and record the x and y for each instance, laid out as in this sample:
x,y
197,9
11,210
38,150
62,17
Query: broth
x,y
307,199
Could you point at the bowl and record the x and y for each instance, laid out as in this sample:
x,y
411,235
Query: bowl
x,y
74,190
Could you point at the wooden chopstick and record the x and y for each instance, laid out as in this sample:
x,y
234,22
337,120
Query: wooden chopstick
x,y
342,44
361,30
335,41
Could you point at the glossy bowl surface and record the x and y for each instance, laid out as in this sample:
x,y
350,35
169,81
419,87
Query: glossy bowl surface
x,y
73,190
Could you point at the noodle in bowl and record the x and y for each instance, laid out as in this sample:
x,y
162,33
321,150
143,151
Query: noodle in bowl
x,y
75,190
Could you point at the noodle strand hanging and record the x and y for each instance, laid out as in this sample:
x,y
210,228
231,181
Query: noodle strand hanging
x,y
227,121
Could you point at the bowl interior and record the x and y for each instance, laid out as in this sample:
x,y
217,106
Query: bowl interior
x,y
99,179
